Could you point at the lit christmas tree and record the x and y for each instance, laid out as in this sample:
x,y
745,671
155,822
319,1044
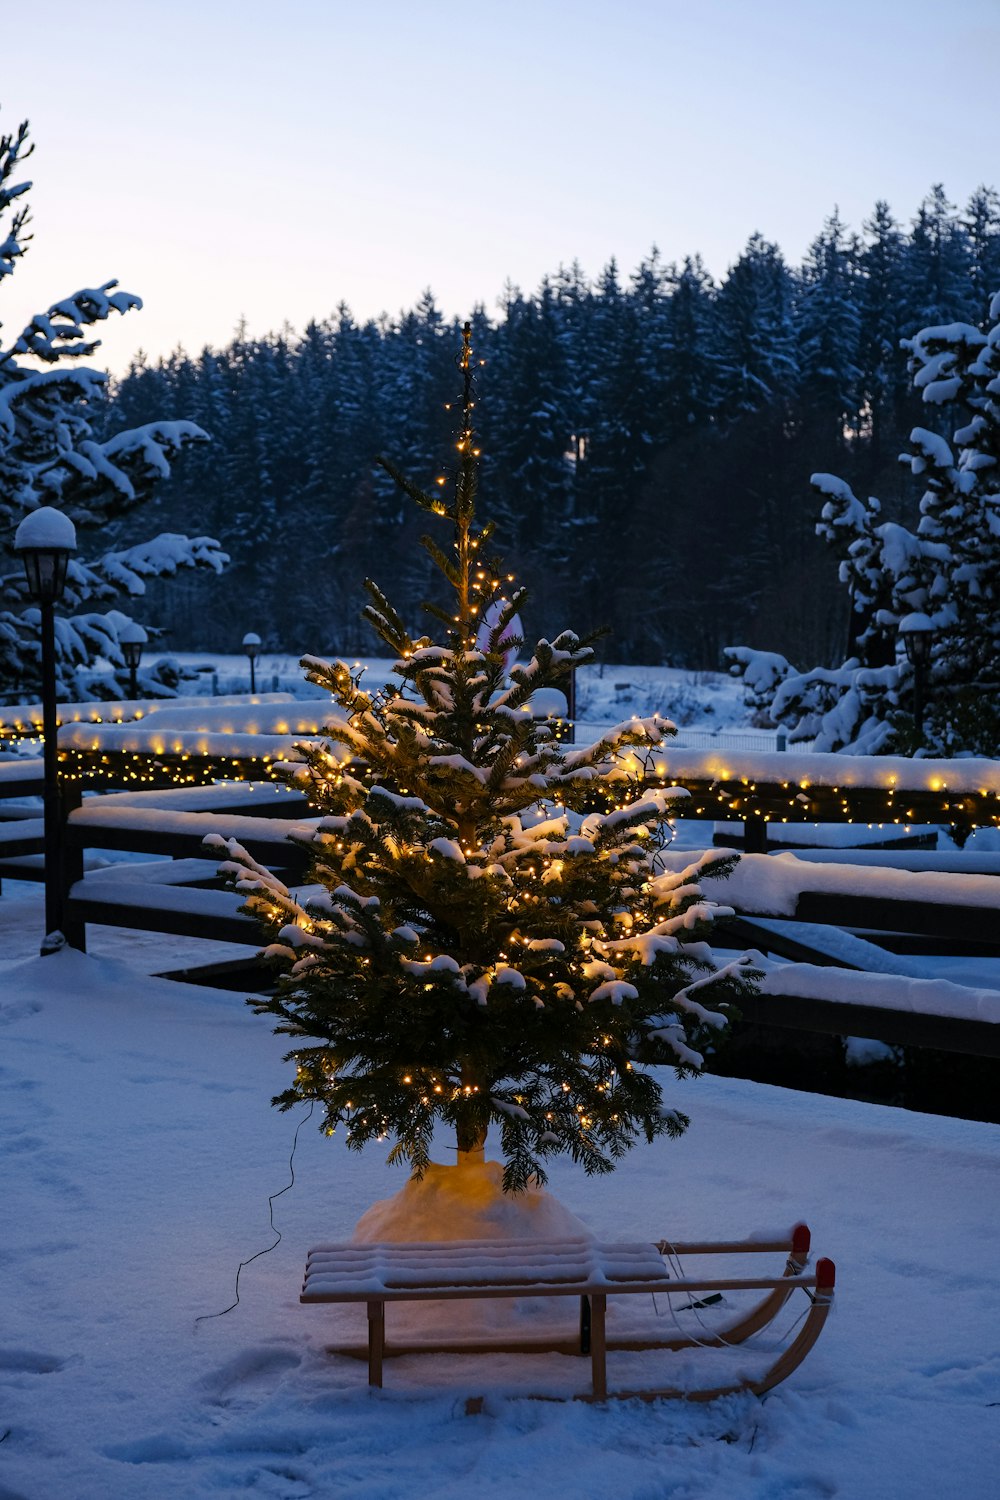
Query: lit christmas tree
x,y
491,940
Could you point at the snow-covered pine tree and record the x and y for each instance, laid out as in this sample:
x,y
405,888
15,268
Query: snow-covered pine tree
x,y
688,382
50,456
755,337
529,416
981,223
947,568
936,282
492,942
827,324
880,358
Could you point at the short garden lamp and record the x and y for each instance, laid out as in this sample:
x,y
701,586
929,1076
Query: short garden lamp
x,y
46,540
131,639
916,631
251,645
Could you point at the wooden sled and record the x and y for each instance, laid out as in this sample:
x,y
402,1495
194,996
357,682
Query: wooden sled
x,y
469,1269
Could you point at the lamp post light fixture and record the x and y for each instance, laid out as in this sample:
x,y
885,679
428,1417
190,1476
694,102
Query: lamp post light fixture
x,y
46,539
131,639
251,645
916,631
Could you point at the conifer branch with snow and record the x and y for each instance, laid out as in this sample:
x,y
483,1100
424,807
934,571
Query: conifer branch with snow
x,y
49,455
947,568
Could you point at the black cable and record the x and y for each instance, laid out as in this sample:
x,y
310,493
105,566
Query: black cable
x,y
205,1317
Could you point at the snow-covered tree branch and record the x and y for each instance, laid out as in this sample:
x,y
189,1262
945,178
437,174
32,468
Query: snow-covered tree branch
x,y
49,455
946,569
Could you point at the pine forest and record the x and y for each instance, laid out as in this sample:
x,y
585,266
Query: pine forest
x,y
662,419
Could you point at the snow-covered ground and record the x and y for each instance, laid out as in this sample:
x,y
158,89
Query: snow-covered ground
x,y
703,704
139,1151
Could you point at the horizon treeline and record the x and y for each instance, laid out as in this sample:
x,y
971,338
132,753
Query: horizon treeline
x,y
647,444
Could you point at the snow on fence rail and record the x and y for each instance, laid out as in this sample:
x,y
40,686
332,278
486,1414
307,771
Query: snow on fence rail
x,y
206,732
896,992
773,884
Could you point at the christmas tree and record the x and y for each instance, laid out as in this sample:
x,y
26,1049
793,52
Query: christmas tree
x,y
490,940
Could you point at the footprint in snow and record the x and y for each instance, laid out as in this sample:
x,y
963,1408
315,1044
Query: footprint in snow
x,y
16,1142
160,1448
16,1010
970,1378
11,1494
247,1372
28,1362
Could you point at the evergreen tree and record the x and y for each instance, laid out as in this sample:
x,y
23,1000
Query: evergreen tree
x,y
573,300
982,226
610,480
828,322
487,947
936,282
689,377
947,569
881,361
755,335
649,297
50,455
529,417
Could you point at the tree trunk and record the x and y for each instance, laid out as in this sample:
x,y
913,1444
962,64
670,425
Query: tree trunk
x,y
471,1138
470,1131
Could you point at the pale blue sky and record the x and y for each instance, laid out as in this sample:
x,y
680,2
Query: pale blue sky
x,y
233,157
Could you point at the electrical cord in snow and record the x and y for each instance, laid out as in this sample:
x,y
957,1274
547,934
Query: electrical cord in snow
x,y
206,1317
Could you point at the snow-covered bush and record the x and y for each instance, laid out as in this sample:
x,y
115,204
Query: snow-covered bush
x,y
763,672
49,455
948,569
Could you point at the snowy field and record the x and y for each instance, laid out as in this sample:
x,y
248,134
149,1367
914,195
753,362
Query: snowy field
x,y
139,1151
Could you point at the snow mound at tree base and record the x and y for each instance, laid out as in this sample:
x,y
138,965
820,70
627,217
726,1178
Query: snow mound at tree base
x,y
466,1202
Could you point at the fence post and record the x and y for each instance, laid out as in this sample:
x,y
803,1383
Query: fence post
x,y
70,864
754,836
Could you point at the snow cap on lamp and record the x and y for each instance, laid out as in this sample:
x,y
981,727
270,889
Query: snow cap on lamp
x,y
45,529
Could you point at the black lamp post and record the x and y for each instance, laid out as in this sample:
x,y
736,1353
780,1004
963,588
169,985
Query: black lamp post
x,y
251,645
131,639
46,540
917,633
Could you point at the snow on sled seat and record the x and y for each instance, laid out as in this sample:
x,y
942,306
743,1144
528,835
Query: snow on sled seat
x,y
464,1269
